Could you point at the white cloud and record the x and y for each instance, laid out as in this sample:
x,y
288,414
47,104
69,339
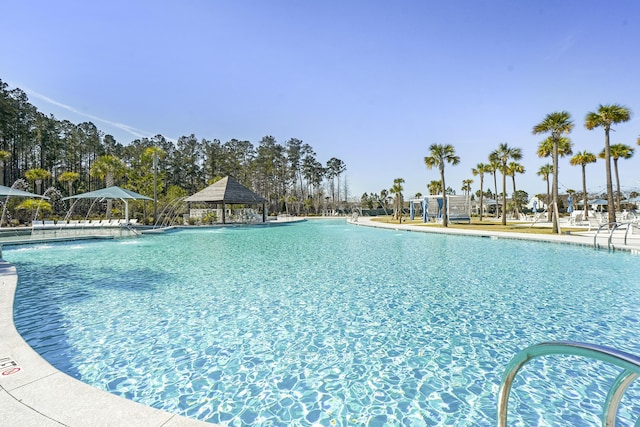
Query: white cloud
x,y
126,128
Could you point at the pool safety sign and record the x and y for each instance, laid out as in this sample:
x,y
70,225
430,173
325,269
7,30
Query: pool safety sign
x,y
8,366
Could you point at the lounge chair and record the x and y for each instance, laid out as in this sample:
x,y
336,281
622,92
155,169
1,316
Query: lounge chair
x,y
594,223
578,220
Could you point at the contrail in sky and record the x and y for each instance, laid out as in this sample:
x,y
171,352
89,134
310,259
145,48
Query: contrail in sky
x,y
131,130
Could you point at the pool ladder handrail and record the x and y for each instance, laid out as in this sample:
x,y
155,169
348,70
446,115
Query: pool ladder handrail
x,y
628,362
630,226
611,226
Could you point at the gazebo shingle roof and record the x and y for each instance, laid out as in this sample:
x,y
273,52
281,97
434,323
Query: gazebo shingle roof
x,y
226,190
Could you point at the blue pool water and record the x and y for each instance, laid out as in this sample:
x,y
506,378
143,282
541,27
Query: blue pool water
x,y
327,323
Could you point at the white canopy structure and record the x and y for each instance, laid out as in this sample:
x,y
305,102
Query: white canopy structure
x,y
114,192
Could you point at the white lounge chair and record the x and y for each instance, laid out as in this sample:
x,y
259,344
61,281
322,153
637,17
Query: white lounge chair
x,y
594,223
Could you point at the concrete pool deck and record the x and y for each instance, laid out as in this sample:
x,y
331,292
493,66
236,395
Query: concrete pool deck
x,y
575,236
34,393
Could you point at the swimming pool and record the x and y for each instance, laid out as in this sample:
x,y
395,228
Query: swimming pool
x,y
330,324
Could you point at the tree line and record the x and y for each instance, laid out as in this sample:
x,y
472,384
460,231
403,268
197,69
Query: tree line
x,y
75,158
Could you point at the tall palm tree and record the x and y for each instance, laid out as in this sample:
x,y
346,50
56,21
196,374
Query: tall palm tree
x,y
618,151
398,201
545,149
605,117
557,124
439,156
503,154
492,167
512,169
109,168
583,159
545,171
466,186
480,170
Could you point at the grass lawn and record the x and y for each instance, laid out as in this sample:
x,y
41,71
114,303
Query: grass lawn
x,y
486,225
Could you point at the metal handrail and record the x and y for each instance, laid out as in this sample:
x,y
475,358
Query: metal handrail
x,y
628,362
629,227
613,226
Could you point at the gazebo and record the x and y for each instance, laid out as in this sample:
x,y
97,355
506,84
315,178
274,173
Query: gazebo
x,y
228,191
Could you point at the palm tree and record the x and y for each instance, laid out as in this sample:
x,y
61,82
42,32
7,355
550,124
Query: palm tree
x,y
557,124
109,168
545,148
33,207
605,117
493,168
439,155
480,170
466,186
398,200
37,176
545,171
383,199
69,178
435,187
583,159
4,156
512,169
502,155
618,151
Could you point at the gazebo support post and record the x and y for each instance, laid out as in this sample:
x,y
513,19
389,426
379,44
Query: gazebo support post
x,y
126,210
224,213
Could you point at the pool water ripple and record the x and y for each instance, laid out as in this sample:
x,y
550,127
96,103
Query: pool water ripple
x,y
329,324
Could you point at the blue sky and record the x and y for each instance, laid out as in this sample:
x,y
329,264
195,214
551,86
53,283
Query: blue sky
x,y
373,83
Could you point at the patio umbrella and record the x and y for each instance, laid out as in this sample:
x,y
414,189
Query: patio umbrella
x,y
14,192
570,204
598,202
535,206
114,192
